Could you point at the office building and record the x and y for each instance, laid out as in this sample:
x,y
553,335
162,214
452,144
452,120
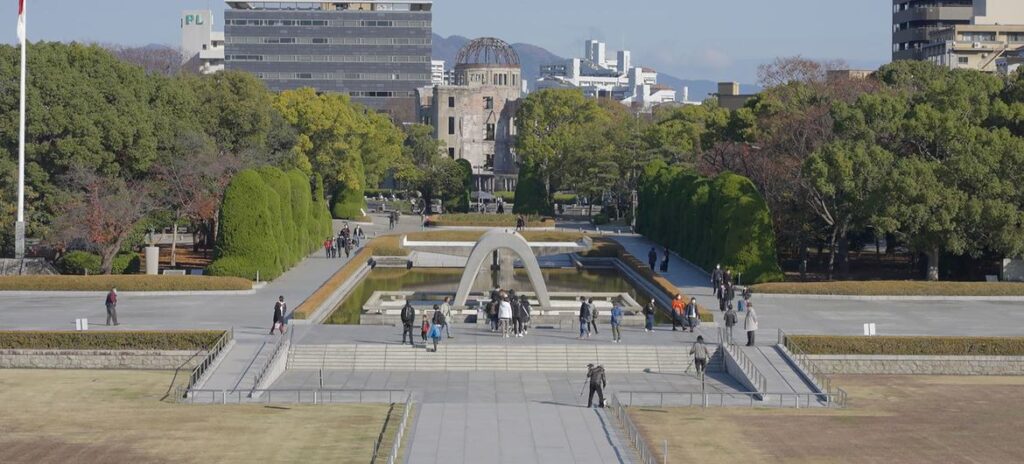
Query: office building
x,y
202,48
993,30
376,51
437,72
729,96
914,22
474,115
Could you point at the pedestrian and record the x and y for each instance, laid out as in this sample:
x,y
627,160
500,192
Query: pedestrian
x,y
593,316
446,309
692,316
438,321
501,207
716,277
525,303
649,316
700,355
597,385
280,310
408,318
327,248
730,292
424,328
517,314
584,318
111,304
677,312
391,221
492,314
339,244
348,246
652,258
664,261
505,315
616,322
742,304
730,321
721,297
750,324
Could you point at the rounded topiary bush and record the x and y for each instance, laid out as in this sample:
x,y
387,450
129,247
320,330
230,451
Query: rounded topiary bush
x,y
248,229
530,194
347,203
83,262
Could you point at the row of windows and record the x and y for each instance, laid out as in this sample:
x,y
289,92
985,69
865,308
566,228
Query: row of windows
x,y
381,94
489,129
331,58
327,40
339,76
326,23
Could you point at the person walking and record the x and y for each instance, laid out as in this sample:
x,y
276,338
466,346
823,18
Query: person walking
x,y
649,316
518,314
408,316
391,221
492,314
750,324
700,355
446,309
652,258
584,318
677,312
664,261
280,310
438,321
593,316
721,297
339,244
616,322
111,304
692,317
730,321
424,328
716,277
597,384
525,303
505,316
327,248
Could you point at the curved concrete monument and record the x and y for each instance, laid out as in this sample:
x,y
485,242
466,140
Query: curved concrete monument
x,y
488,243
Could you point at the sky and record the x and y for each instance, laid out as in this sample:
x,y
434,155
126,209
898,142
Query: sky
x,y
690,39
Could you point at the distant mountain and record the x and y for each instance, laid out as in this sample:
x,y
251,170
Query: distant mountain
x,y
531,57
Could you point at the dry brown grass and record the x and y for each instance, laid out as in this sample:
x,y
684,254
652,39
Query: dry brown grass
x,y
125,283
89,416
893,288
891,419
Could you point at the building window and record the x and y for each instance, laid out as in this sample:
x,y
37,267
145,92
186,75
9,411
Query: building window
x,y
488,103
980,37
451,102
1015,37
963,60
489,162
451,152
451,125
489,132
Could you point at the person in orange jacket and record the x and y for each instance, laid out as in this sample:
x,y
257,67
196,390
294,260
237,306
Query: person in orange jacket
x,y
677,311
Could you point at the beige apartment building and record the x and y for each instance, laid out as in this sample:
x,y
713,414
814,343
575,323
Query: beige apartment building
x,y
958,34
974,46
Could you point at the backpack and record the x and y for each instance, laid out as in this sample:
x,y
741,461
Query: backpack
x,y
730,318
438,318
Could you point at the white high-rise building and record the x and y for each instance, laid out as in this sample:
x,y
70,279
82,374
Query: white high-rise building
x,y
437,73
201,47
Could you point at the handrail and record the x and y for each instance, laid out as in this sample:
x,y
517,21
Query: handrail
x,y
632,432
211,356
282,343
822,380
294,395
705,399
758,379
397,446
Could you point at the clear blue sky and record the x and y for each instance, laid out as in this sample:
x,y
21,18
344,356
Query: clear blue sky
x,y
707,39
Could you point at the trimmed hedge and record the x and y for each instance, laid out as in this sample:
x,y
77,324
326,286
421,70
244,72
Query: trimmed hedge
x,y
709,221
191,340
78,262
347,203
486,220
529,197
893,288
460,202
910,346
268,223
124,283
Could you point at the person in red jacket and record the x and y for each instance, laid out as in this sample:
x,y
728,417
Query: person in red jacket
x,y
112,306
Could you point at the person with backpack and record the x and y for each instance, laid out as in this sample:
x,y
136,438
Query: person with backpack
x,y
505,315
649,316
584,317
492,314
700,355
730,322
408,316
597,384
692,316
438,321
280,311
616,322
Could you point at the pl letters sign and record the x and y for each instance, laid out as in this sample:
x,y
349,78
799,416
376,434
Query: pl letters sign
x,y
192,20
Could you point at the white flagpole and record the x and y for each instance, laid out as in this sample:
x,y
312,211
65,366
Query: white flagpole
x,y
19,227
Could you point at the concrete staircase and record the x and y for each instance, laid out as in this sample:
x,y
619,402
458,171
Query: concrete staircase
x,y
532,358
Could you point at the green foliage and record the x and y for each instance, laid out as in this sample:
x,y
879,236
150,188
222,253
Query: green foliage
x,y
530,196
190,340
486,220
347,203
125,283
507,197
82,262
909,346
893,288
709,221
459,201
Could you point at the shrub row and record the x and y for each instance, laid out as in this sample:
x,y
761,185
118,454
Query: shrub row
x,y
82,262
126,283
658,281
894,288
269,221
347,203
909,346
486,220
121,340
709,221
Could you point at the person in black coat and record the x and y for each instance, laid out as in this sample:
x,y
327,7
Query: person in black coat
x,y
280,310
664,261
652,258
408,318
597,384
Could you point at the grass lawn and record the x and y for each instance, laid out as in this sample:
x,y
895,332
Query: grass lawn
x,y
91,416
891,419
893,288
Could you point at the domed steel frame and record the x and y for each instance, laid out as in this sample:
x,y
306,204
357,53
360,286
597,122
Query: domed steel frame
x,y
488,50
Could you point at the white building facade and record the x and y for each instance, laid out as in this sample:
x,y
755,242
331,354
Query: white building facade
x,y
202,48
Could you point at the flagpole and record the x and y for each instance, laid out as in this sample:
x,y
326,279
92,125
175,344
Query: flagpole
x,y
19,227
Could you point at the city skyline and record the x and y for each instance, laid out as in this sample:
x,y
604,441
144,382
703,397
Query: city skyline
x,y
726,49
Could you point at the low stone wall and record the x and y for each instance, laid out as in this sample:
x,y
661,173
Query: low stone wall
x,y
919,365
99,359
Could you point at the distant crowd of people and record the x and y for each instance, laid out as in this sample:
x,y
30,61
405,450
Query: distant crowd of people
x,y
346,240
